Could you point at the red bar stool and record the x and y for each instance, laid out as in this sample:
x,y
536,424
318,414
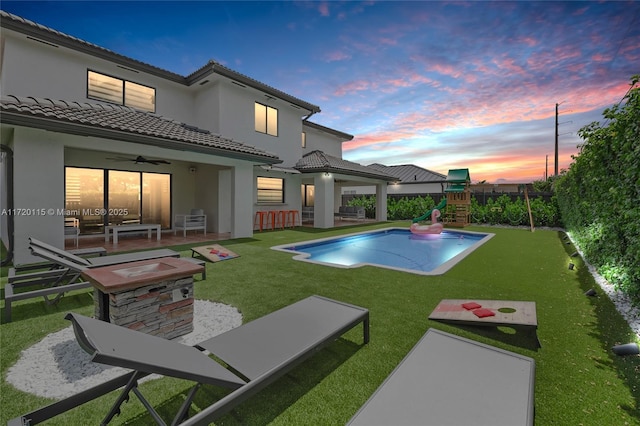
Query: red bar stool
x,y
260,217
272,218
282,218
292,217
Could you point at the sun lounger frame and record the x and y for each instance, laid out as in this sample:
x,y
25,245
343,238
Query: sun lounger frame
x,y
338,318
64,269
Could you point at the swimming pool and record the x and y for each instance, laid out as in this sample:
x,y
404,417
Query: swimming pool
x,y
392,248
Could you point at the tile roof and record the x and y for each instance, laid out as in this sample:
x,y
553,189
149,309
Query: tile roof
x,y
318,161
342,135
409,173
123,123
41,32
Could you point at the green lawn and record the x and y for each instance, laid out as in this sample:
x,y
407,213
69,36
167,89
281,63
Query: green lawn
x,y
578,380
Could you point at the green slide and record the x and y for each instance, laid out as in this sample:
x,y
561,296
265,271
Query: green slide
x,y
427,215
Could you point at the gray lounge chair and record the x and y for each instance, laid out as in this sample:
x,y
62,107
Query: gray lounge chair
x,y
258,353
450,380
55,254
76,264
64,272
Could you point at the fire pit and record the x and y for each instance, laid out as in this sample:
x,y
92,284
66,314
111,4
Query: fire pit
x,y
151,296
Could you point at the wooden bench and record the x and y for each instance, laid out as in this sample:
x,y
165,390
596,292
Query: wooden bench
x,y
115,229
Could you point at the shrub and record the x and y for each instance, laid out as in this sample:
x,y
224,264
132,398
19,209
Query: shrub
x,y
599,196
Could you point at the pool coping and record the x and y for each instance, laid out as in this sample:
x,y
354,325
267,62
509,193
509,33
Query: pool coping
x,y
304,257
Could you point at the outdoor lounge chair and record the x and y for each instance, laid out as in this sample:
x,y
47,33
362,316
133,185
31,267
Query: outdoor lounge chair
x,y
450,380
65,259
258,353
64,273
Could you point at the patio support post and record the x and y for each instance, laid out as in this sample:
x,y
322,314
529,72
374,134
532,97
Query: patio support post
x,y
38,191
324,190
242,197
381,202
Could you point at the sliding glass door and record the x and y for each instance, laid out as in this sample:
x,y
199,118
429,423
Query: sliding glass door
x,y
99,197
156,199
124,197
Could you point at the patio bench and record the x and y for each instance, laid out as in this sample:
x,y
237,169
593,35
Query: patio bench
x,y
115,229
351,212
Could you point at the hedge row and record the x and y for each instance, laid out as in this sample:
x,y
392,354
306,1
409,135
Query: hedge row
x,y
502,210
599,196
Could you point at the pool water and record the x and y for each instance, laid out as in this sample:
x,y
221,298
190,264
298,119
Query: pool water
x,y
394,248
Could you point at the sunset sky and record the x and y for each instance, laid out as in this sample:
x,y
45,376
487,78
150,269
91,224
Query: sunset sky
x,y
438,84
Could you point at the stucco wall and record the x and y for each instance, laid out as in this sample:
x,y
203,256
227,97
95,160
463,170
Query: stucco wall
x,y
38,191
32,68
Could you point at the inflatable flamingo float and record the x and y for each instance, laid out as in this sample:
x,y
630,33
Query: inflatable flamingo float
x,y
434,228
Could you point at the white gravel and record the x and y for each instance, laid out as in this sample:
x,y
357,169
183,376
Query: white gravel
x,y
56,367
623,304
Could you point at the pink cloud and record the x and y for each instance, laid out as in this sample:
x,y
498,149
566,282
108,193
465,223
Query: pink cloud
x,y
352,87
323,8
337,55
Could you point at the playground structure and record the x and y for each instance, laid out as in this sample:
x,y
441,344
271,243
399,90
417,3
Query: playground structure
x,y
458,200
456,205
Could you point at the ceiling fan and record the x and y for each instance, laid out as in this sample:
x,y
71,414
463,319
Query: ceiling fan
x,y
140,159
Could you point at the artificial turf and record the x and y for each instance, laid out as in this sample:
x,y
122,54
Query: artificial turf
x,y
578,379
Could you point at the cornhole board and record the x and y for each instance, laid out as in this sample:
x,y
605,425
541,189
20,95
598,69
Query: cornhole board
x,y
509,313
449,380
213,252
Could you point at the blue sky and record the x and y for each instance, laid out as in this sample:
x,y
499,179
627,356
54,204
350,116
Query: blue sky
x,y
438,84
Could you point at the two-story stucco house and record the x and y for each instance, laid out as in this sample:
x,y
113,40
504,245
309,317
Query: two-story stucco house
x,y
90,133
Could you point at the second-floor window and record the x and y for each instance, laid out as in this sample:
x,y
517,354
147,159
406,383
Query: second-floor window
x,y
119,91
270,190
266,119
304,140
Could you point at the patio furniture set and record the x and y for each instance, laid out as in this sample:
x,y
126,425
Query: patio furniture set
x,y
443,380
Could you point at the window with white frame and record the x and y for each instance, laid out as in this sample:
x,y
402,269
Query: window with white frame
x,y
119,91
266,119
270,190
304,140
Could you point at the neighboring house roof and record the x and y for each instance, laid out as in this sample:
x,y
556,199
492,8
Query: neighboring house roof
x,y
318,161
409,173
341,135
123,123
42,33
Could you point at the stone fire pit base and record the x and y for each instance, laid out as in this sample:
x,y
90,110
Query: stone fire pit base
x,y
162,309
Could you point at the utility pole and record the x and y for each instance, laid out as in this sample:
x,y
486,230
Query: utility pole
x,y
555,164
546,167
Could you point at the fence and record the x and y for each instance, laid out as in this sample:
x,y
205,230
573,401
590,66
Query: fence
x,y
481,196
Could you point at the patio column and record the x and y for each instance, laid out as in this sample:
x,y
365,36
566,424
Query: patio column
x,y
242,196
38,179
381,202
324,190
